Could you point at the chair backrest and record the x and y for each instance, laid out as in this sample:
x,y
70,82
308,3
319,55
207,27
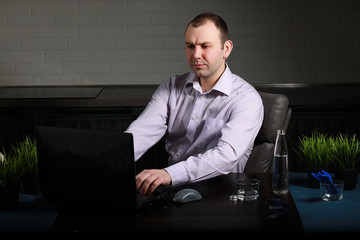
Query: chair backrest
x,y
276,116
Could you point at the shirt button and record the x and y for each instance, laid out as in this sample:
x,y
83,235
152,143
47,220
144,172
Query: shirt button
x,y
193,118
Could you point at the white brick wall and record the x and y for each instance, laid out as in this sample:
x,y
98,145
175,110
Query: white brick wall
x,y
95,42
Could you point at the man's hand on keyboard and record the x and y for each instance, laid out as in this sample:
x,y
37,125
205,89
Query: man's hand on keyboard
x,y
148,180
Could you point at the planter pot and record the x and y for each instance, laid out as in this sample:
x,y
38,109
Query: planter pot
x,y
349,176
31,184
9,198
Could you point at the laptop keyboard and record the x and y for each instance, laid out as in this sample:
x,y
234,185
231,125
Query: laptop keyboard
x,y
145,201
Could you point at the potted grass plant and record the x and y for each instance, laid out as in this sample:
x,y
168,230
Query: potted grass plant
x,y
15,166
11,172
27,151
313,150
345,158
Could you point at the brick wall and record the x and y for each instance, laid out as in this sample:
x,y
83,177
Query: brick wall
x,y
90,42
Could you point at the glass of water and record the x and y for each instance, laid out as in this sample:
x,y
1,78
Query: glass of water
x,y
332,191
247,189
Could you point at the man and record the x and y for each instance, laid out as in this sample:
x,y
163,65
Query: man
x,y
210,115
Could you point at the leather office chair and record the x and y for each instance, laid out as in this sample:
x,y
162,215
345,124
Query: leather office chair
x,y
276,116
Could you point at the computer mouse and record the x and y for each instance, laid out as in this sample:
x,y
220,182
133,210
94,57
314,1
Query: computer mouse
x,y
186,195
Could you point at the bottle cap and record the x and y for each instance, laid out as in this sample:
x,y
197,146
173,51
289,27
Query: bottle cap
x,y
280,132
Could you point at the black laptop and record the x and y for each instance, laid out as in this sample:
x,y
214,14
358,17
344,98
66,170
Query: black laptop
x,y
92,175
87,168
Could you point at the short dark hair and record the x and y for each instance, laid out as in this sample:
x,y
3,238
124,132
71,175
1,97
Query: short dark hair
x,y
217,20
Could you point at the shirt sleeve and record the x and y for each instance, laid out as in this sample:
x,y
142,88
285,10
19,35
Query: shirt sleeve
x,y
151,124
237,137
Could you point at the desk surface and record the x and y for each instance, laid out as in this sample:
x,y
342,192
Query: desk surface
x,y
321,216
214,213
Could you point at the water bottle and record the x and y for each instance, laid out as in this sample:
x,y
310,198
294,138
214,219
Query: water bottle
x,y
280,173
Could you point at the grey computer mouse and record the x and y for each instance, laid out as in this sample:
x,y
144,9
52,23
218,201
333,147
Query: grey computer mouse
x,y
187,195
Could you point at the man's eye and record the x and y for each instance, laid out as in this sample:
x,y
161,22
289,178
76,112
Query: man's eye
x,y
205,46
190,46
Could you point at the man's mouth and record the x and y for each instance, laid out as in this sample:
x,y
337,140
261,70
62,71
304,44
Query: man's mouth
x,y
199,65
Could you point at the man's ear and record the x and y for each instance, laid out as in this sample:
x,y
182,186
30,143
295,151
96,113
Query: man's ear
x,y
228,46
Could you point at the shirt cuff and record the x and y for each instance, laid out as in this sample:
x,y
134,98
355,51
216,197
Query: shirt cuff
x,y
177,173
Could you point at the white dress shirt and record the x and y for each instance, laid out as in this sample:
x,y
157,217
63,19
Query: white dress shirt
x,y
208,133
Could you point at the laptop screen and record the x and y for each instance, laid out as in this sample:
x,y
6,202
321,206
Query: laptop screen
x,y
87,168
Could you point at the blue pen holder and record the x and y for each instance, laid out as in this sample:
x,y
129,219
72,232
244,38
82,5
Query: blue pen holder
x,y
330,189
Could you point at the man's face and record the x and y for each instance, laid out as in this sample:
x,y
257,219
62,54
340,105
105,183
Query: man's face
x,y
204,51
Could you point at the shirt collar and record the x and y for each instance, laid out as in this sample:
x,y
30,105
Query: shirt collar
x,y
224,84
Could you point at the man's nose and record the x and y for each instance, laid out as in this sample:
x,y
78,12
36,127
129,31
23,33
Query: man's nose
x,y
197,52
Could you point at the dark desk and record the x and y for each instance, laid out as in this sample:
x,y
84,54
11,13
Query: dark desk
x,y
214,213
